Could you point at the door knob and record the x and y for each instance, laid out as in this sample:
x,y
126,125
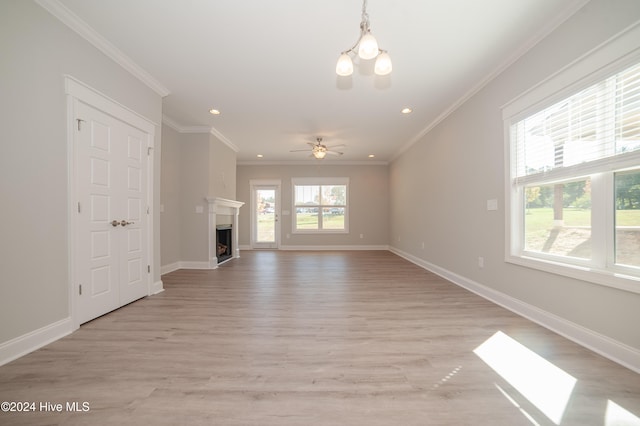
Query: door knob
x,y
115,223
124,223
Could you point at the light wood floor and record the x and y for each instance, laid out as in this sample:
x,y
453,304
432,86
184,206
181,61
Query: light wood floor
x,y
312,338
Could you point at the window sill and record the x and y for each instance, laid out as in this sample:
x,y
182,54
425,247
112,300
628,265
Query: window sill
x,y
612,279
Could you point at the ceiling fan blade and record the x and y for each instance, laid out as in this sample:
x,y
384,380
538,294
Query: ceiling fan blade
x,y
335,146
335,152
300,150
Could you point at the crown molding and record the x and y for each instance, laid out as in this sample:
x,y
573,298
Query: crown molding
x,y
313,162
198,129
521,51
73,21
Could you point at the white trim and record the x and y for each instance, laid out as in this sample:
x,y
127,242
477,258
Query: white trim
x,y
29,342
320,181
313,162
223,206
157,287
614,350
255,184
184,264
544,32
99,100
194,265
77,91
199,129
607,57
167,269
84,30
332,248
222,138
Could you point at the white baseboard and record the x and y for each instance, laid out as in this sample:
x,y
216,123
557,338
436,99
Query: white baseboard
x,y
327,248
22,345
165,269
614,350
157,287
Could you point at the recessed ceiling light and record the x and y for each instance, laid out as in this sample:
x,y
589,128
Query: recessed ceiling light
x,y
372,155
259,155
214,111
406,110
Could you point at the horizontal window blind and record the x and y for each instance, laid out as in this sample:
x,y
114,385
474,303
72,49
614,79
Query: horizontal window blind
x,y
601,121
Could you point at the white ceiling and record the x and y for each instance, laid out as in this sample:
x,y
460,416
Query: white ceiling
x,y
269,66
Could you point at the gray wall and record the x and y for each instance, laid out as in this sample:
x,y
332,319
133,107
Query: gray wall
x,y
170,185
36,51
368,203
222,170
194,187
195,166
440,186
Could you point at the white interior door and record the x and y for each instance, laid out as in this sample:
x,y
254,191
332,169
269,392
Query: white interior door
x,y
112,252
265,215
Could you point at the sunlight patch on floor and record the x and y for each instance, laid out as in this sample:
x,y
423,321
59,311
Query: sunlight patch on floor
x,y
618,416
542,383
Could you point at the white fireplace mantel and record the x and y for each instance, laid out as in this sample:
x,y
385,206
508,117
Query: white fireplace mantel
x,y
222,206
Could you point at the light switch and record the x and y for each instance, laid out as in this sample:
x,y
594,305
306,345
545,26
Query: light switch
x,y
492,204
199,209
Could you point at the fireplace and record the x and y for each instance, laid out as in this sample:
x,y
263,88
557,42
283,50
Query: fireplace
x,y
224,242
223,239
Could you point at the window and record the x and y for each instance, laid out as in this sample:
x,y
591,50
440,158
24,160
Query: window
x,y
574,182
320,205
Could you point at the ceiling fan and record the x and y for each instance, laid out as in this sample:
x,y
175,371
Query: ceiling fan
x,y
319,150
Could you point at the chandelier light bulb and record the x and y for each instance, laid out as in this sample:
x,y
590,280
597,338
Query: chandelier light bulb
x,y
368,46
344,67
383,64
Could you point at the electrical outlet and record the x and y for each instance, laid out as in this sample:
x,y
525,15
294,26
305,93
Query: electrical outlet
x,y
481,262
361,236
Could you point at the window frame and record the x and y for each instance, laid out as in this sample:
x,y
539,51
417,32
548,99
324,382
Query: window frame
x,y
614,56
320,181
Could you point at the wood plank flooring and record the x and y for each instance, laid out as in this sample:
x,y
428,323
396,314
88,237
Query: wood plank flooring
x,y
313,338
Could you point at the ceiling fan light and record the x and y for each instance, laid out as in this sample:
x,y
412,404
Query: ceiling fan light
x,y
344,67
320,154
383,64
368,46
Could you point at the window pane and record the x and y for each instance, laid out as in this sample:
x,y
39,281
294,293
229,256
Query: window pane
x,y
333,218
306,218
307,195
558,219
600,121
628,218
334,195
266,204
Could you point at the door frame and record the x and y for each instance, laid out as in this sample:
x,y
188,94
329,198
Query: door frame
x,y
265,183
77,91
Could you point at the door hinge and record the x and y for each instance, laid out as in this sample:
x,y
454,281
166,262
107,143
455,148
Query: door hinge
x,y
148,269
79,120
147,209
80,289
149,148
79,207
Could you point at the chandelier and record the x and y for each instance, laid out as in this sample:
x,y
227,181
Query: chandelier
x,y
367,49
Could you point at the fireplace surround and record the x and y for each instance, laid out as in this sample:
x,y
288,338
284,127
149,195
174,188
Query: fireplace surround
x,y
227,208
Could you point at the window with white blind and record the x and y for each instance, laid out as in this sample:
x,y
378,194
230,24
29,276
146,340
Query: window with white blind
x,y
574,182
320,205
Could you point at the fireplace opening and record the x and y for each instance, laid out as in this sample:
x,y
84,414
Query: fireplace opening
x,y
223,242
